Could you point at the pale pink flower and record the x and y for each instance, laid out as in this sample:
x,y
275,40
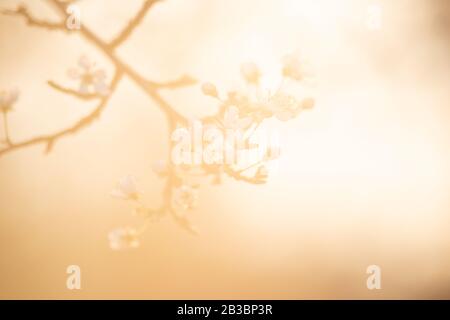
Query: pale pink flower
x,y
92,79
7,99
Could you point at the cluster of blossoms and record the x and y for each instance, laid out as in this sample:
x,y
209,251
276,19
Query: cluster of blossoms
x,y
238,111
246,110
183,198
265,102
241,111
7,100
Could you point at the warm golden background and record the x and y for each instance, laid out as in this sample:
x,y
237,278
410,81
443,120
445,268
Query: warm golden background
x,y
364,177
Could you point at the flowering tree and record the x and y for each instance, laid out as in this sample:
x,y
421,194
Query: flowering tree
x,y
237,111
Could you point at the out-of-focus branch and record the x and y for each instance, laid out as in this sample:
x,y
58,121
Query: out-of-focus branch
x,y
75,93
32,21
149,87
50,139
126,32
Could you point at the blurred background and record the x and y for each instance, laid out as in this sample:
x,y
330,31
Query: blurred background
x,y
363,179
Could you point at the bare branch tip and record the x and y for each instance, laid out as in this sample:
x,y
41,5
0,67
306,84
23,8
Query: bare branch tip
x,y
75,93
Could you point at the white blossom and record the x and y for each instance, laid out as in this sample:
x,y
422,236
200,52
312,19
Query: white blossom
x,y
7,99
92,79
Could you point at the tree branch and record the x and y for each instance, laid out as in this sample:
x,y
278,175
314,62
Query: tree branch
x,y
51,139
149,87
126,32
32,21
75,93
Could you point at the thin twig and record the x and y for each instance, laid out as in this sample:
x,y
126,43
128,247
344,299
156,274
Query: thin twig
x,y
50,139
32,21
149,87
126,32
75,93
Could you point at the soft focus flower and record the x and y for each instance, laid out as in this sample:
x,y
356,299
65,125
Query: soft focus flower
x,y
7,99
293,68
284,106
126,189
210,89
92,79
185,197
232,120
250,72
123,238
